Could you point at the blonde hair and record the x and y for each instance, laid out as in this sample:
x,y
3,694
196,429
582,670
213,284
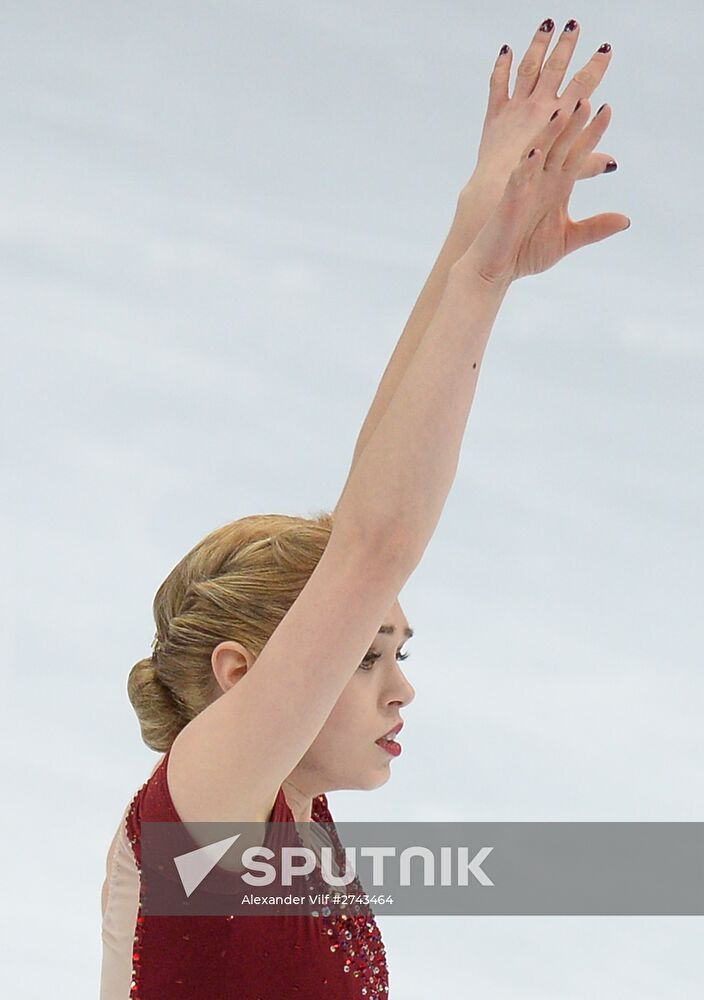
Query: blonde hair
x,y
237,583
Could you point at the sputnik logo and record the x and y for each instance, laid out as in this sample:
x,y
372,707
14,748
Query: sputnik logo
x,y
195,865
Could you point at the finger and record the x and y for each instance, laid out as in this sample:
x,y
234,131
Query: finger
x,y
587,79
529,67
498,81
596,163
588,139
553,72
565,141
545,139
594,229
528,167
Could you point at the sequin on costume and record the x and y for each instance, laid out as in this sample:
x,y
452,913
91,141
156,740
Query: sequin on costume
x,y
337,955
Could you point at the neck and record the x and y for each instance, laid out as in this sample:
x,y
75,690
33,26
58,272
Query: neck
x,y
299,802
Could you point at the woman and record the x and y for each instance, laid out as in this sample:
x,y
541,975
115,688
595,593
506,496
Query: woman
x,y
262,691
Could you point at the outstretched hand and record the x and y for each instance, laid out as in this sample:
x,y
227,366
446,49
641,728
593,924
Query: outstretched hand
x,y
530,229
510,122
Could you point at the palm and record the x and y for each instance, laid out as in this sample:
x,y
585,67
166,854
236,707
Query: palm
x,y
545,245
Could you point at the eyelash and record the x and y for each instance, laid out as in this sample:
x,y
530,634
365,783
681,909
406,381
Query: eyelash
x,y
371,658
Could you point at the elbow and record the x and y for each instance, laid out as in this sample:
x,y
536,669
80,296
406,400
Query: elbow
x,y
381,544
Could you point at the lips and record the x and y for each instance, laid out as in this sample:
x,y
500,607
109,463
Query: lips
x,y
391,733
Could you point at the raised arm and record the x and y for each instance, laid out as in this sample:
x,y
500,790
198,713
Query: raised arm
x,y
229,761
405,472
509,124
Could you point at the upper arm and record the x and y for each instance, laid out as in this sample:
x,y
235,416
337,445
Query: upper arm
x,y
230,760
108,866
105,893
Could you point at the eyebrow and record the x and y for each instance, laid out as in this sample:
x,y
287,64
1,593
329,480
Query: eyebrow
x,y
390,629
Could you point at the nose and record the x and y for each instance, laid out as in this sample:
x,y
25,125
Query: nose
x,y
402,690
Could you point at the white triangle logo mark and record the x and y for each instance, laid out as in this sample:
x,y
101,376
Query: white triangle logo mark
x,y
195,865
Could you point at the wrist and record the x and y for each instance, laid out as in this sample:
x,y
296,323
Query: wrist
x,y
484,183
475,203
468,274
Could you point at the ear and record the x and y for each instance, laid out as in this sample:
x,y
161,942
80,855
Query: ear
x,y
230,661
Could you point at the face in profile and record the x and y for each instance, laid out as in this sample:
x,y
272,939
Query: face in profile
x,y
346,753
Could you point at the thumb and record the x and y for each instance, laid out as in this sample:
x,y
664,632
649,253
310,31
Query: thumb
x,y
594,229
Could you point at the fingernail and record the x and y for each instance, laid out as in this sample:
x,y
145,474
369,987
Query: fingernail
x,y
600,110
531,152
610,167
503,50
604,48
547,25
578,105
571,25
554,115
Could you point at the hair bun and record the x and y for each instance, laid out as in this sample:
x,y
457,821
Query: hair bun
x,y
159,717
147,668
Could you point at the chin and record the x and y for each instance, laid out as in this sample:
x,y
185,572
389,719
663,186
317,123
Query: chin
x,y
376,779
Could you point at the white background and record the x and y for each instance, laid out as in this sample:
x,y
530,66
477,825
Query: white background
x,y
216,218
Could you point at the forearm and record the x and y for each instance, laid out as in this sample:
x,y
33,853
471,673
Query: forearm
x,y
423,311
402,479
473,206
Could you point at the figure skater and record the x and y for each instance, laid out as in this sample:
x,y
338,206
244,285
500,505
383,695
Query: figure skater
x,y
275,674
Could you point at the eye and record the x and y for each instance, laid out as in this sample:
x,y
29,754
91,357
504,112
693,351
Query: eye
x,y
372,657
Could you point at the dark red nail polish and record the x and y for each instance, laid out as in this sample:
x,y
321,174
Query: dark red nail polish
x,y
554,115
604,48
610,167
578,105
531,153
600,110
547,25
503,50
571,25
